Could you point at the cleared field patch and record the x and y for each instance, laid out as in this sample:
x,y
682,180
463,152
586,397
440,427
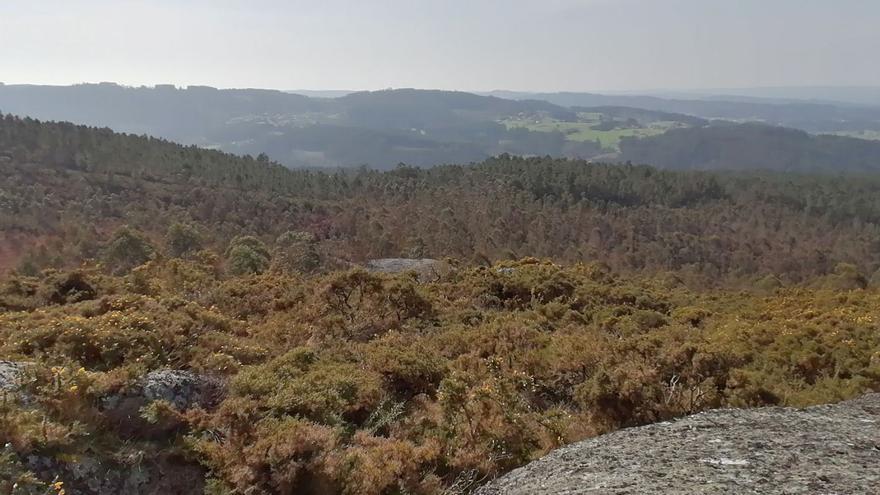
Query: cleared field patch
x,y
864,134
583,130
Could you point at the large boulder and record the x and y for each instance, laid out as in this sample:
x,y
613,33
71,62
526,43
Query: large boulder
x,y
182,389
823,449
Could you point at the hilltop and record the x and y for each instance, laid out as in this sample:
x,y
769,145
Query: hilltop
x,y
381,128
753,147
255,369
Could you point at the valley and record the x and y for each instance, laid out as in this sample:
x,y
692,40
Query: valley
x,y
425,128
569,247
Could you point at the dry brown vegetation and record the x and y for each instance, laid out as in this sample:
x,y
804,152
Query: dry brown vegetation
x,y
357,383
652,295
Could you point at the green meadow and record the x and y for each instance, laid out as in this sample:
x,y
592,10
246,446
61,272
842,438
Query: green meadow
x,y
583,129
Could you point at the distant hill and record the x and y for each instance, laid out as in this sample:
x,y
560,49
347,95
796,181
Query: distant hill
x,y
322,93
381,129
642,115
433,108
847,95
752,146
187,115
808,116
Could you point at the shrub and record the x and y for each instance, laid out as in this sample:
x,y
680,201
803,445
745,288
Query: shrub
x,y
297,252
300,383
127,249
247,255
182,239
352,382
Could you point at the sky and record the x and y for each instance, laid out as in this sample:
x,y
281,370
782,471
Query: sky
x,y
475,45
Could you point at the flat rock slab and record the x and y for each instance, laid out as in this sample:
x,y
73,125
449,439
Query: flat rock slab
x,y
832,449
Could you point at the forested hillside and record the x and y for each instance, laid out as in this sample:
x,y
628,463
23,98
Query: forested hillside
x,y
69,188
753,147
380,128
180,320
428,127
811,116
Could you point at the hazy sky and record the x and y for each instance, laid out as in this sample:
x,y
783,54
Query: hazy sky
x,y
546,45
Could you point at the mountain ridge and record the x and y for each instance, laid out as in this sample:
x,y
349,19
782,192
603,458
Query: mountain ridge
x,y
417,127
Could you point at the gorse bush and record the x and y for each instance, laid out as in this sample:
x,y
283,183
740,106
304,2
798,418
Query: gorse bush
x,y
356,382
128,249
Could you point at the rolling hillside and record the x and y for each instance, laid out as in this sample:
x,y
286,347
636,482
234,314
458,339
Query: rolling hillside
x,y
180,320
381,129
68,188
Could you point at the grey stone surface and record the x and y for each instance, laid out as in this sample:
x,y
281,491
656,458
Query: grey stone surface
x,y
183,389
11,374
136,473
832,449
139,475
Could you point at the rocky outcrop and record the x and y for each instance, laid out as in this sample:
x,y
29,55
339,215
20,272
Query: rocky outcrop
x,y
427,269
182,389
833,449
11,374
139,473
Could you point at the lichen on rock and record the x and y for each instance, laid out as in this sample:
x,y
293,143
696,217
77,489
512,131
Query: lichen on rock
x,y
822,449
11,375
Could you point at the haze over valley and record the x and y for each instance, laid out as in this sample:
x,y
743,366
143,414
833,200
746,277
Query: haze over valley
x,y
429,127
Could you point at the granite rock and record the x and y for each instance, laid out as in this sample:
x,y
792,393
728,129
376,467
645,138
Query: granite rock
x,y
830,449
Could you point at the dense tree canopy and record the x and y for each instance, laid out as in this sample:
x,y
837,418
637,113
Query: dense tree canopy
x,y
68,188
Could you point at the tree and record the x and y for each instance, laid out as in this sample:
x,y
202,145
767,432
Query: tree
x,y
127,249
182,239
247,255
297,251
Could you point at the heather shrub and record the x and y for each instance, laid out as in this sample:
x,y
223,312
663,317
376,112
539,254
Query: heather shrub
x,y
353,382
